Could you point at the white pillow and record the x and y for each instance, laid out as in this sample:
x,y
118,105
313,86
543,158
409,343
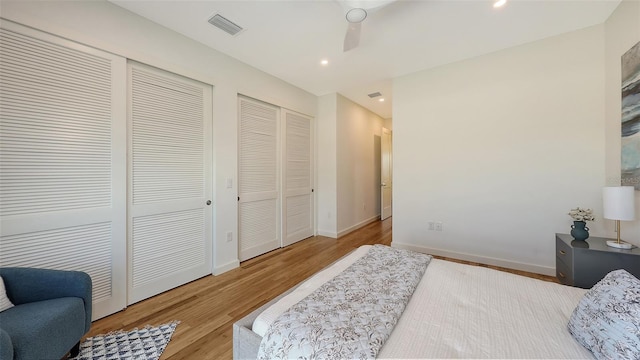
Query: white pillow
x,y
607,318
5,303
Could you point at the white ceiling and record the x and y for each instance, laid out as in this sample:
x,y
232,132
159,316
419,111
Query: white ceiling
x,y
289,38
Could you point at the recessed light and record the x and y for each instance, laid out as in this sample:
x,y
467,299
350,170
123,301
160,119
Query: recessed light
x,y
324,62
381,99
499,3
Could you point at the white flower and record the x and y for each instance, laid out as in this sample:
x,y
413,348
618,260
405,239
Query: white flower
x,y
579,214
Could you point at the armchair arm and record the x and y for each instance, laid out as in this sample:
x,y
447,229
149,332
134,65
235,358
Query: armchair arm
x,y
6,346
25,285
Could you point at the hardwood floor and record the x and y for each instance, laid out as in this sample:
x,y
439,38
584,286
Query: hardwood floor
x,y
208,307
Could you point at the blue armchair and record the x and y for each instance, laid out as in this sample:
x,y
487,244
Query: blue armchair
x,y
52,313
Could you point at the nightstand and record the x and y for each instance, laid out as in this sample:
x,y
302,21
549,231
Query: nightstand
x,y
584,263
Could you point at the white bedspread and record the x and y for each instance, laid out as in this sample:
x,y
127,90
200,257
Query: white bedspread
x,y
463,311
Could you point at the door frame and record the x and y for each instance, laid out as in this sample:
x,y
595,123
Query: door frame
x,y
386,155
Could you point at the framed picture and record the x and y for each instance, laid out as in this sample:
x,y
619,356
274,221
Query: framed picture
x,y
631,117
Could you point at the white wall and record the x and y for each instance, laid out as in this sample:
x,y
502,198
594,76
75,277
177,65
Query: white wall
x,y
326,212
388,123
499,148
358,165
622,31
108,27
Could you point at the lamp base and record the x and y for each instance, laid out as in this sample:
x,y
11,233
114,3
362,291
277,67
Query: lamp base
x,y
619,245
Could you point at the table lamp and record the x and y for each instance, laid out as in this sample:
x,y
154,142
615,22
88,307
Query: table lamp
x,y
618,205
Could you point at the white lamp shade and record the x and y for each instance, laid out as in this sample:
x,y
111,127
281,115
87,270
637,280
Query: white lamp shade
x,y
618,203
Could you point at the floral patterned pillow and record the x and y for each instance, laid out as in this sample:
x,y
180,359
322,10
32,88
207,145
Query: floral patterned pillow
x,y
607,319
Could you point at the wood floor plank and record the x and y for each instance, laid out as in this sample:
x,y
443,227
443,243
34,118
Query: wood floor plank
x,y
208,307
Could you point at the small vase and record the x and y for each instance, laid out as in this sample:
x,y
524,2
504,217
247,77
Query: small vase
x,y
579,231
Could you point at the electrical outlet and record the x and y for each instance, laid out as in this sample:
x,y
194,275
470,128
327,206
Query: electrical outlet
x,y
229,236
431,226
438,226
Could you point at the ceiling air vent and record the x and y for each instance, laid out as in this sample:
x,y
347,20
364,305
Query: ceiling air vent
x,y
224,24
375,94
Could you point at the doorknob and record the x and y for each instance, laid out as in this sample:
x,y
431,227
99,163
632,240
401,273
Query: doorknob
x,y
383,184
208,202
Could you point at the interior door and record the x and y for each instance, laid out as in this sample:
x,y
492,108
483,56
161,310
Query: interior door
x,y
386,176
258,178
170,159
298,177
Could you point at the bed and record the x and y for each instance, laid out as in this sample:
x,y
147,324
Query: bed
x,y
456,311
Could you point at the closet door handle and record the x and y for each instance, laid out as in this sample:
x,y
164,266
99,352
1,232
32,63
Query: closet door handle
x,y
208,202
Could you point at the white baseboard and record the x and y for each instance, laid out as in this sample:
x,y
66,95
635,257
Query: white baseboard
x,y
358,225
226,267
335,235
544,270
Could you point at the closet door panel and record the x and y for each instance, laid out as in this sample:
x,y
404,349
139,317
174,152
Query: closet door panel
x,y
298,214
63,160
258,180
170,226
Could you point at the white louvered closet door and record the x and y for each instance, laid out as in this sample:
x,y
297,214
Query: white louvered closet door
x,y
258,181
63,160
298,177
170,224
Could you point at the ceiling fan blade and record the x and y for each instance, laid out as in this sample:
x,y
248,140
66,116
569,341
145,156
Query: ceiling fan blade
x,y
352,38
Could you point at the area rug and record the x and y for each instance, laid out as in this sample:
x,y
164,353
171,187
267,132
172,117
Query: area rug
x,y
147,343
